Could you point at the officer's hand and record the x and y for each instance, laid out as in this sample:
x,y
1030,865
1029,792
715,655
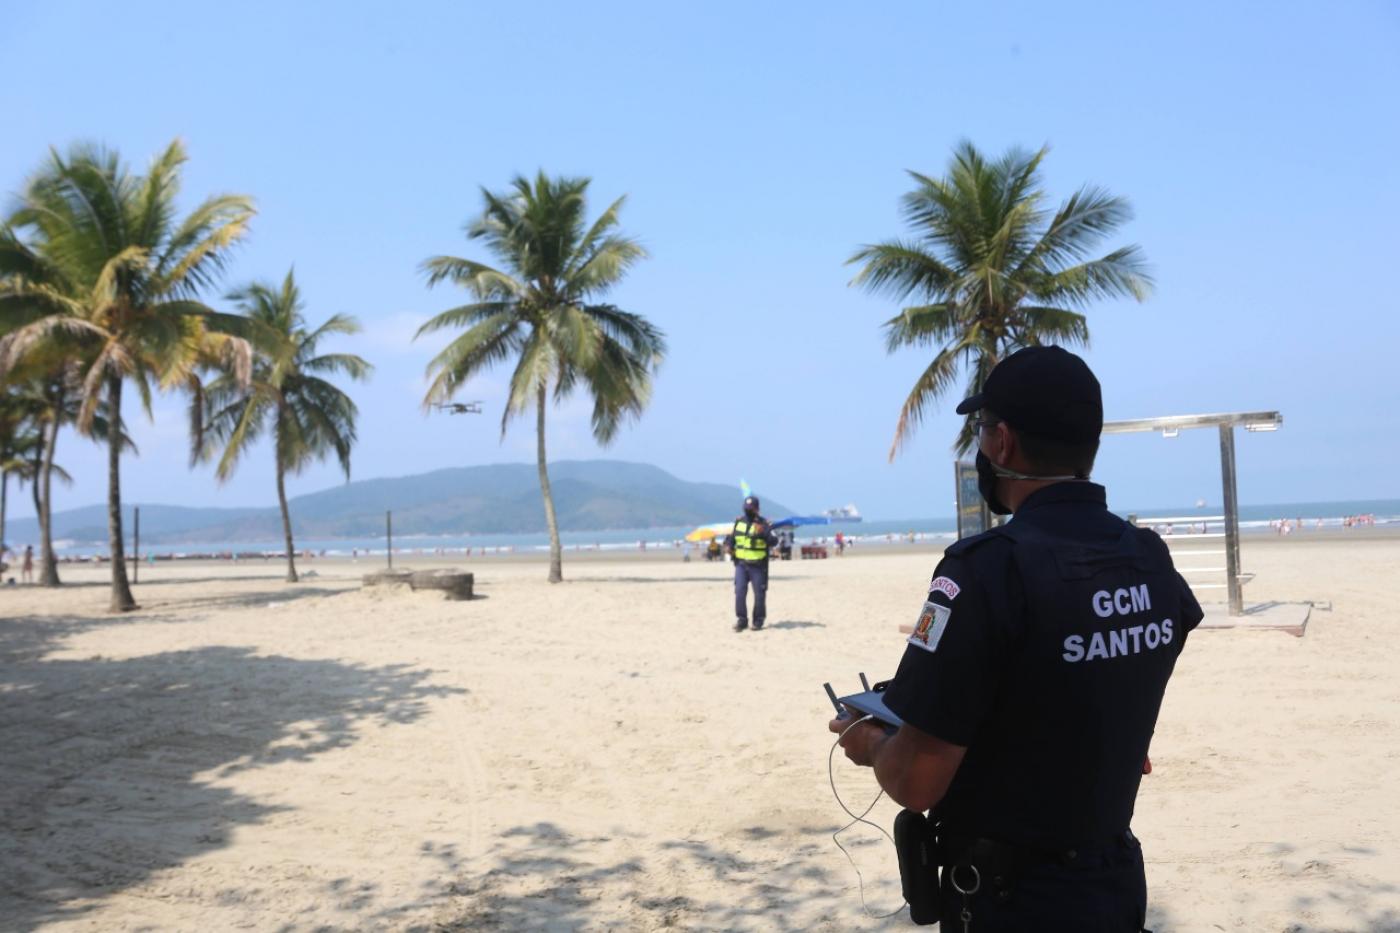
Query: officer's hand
x,y
858,741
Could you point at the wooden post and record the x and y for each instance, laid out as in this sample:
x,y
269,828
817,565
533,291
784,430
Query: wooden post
x,y
136,547
389,536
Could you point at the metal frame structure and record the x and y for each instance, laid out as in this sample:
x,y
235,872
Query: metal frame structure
x,y
1170,426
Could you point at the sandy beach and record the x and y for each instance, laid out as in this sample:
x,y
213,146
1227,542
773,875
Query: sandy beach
x,y
607,754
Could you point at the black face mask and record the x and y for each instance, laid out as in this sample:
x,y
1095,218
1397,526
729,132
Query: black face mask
x,y
987,485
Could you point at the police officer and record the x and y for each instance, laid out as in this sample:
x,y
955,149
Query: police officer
x,y
1031,684
749,545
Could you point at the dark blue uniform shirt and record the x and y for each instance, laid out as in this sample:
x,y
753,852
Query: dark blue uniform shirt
x,y
1045,646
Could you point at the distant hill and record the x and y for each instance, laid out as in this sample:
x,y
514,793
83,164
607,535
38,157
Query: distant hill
x,y
589,495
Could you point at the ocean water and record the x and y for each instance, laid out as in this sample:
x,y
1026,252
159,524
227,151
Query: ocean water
x,y
1253,519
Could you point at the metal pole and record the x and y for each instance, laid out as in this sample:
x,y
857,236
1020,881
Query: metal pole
x,y
1232,519
136,547
389,537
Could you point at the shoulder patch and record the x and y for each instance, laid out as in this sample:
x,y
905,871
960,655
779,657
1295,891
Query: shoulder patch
x,y
933,619
945,586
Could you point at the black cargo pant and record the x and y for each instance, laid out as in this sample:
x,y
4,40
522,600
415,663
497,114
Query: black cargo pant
x,y
746,573
1097,890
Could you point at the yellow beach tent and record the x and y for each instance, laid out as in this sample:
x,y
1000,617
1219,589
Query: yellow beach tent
x,y
706,532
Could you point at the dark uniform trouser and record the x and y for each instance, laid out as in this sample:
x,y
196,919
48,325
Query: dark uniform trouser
x,y
1100,890
755,572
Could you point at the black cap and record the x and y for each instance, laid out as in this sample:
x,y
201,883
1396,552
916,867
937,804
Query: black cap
x,y
1046,391
751,503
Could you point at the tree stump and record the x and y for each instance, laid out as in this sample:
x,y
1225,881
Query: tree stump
x,y
387,576
454,583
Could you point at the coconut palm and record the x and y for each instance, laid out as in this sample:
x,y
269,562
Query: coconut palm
x,y
29,463
541,307
38,403
98,255
18,441
994,270
309,417
49,399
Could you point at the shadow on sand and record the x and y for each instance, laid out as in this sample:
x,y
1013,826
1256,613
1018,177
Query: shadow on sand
x,y
794,623
104,779
542,877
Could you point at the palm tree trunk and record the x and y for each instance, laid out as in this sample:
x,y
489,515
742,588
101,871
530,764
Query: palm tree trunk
x,y
286,525
4,496
48,570
34,469
556,553
122,600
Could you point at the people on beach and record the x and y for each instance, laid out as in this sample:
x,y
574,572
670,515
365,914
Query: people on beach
x,y
1045,644
27,567
749,545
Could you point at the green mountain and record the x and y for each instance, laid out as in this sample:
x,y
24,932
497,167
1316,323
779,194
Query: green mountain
x,y
589,495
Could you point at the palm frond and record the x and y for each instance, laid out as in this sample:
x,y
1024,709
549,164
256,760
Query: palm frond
x,y
466,316
531,374
901,269
936,378
198,251
589,243
1089,215
1123,272
574,336
489,342
155,206
335,324
249,419
620,383
348,363
1053,325
605,266
17,345
486,283
921,325
328,416
641,339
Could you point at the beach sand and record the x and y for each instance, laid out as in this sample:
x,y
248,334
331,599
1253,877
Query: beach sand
x,y
244,754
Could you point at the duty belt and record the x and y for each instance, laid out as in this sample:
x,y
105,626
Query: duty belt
x,y
999,864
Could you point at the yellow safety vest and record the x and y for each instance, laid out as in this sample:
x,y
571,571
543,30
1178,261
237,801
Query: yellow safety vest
x,y
749,541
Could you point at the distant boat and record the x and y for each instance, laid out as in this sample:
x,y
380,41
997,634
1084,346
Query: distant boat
x,y
1200,503
845,513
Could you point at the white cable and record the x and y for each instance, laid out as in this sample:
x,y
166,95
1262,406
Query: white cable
x,y
831,776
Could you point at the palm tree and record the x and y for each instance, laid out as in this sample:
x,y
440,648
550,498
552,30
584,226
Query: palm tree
x,y
18,441
29,462
40,403
541,308
309,417
994,271
50,398
98,254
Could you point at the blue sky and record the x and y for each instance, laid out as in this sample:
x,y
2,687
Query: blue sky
x,y
759,146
